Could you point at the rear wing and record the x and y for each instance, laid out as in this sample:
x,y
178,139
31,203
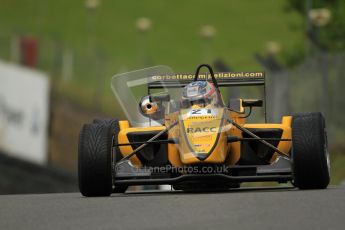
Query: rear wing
x,y
223,79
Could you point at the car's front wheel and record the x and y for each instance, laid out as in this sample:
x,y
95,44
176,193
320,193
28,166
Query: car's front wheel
x,y
310,157
114,129
94,160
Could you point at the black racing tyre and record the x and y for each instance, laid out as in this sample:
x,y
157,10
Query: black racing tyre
x,y
114,129
94,160
310,158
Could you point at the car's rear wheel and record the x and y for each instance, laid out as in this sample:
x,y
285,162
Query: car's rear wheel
x,y
310,158
94,160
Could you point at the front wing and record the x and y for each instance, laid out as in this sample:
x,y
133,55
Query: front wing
x,y
127,174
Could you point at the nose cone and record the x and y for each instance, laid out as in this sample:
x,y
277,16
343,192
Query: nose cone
x,y
201,129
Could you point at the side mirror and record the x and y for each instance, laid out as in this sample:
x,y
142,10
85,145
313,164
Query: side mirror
x,y
147,106
235,104
151,106
252,103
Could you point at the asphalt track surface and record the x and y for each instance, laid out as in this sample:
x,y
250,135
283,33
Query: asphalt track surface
x,y
259,208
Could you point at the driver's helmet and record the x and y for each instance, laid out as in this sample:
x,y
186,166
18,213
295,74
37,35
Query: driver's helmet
x,y
200,93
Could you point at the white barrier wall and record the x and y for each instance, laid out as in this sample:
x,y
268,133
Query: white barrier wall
x,y
24,113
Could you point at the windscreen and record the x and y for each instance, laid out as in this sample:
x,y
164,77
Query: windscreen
x,y
130,88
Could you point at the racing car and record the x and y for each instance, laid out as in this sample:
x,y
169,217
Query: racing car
x,y
179,131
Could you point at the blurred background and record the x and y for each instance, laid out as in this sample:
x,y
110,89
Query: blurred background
x,y
57,59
